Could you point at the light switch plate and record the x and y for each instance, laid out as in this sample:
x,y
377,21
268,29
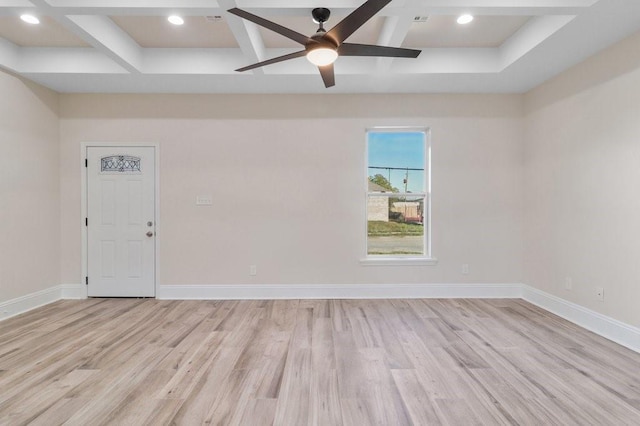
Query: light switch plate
x,y
204,200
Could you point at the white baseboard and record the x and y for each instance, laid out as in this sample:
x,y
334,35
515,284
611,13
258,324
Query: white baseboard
x,y
612,329
617,331
339,291
28,302
73,291
19,305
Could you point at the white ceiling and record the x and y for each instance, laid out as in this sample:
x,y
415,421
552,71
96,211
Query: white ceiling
x,y
128,46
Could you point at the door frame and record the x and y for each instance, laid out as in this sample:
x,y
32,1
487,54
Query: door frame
x,y
84,206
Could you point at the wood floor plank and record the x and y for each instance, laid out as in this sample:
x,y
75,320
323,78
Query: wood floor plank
x,y
295,392
310,362
355,412
195,409
419,404
259,412
325,405
376,389
228,408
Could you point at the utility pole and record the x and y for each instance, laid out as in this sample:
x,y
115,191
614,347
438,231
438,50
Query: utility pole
x,y
406,180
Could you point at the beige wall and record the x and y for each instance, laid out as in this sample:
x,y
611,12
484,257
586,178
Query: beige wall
x,y
29,188
582,183
535,188
287,177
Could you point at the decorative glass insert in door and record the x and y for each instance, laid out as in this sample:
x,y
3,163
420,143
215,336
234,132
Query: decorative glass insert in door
x,y
120,164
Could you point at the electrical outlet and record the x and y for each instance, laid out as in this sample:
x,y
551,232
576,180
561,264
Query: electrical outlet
x,y
465,269
600,293
253,270
568,284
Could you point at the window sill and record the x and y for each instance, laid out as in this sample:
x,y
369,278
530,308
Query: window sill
x,y
398,261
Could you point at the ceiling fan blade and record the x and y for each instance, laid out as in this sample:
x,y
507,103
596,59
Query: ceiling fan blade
x,y
288,33
273,60
328,76
352,49
355,20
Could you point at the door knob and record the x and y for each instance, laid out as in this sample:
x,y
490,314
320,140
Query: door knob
x,y
149,234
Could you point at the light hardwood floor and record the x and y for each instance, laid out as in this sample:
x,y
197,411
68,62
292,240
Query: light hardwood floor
x,y
320,362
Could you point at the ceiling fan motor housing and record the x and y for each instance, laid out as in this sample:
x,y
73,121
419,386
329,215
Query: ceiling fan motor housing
x,y
320,14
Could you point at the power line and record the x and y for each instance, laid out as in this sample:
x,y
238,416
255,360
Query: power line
x,y
394,168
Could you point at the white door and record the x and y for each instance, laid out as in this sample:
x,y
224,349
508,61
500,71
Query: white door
x,y
121,221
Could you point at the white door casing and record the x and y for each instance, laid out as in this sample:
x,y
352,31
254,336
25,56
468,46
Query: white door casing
x,y
121,221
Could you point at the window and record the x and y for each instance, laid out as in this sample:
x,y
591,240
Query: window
x,y
398,194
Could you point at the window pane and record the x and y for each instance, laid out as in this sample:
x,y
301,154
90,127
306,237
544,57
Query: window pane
x,y
396,179
395,225
396,161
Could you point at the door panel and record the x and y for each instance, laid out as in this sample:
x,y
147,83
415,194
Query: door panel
x,y
121,205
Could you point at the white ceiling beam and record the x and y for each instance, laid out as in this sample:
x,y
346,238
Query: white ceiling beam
x,y
192,61
103,34
8,55
16,8
339,8
186,8
451,61
66,60
164,4
283,4
223,61
338,13
393,33
246,34
533,33
511,3
15,3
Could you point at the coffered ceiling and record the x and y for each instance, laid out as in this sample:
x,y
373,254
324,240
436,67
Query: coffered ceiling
x,y
129,46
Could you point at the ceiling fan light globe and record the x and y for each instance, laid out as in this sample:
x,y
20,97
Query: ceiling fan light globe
x,y
322,56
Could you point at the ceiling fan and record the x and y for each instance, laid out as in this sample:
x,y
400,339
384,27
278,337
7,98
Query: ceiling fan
x,y
324,47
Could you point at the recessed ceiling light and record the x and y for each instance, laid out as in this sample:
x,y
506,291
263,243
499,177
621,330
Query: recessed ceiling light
x,y
465,19
175,20
30,19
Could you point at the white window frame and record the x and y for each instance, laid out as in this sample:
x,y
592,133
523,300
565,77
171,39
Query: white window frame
x,y
398,260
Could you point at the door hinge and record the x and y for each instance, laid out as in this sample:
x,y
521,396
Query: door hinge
x,y
86,221
86,280
86,162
